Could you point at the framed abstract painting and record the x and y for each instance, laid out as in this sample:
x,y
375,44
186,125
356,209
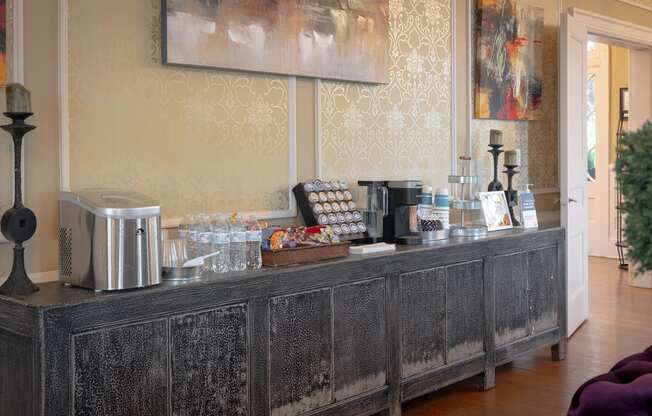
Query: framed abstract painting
x,y
509,60
332,39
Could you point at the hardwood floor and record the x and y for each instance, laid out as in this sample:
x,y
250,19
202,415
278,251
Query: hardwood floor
x,y
620,324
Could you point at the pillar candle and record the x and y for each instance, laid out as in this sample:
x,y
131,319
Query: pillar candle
x,y
496,137
513,158
18,99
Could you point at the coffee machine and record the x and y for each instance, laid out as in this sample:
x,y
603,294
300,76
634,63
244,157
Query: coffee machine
x,y
400,225
374,205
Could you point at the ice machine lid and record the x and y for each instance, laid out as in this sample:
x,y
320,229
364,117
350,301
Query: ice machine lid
x,y
114,203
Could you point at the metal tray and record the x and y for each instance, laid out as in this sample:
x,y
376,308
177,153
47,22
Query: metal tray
x,y
181,273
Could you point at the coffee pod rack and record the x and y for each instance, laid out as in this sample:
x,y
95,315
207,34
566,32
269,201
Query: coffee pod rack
x,y
462,200
330,203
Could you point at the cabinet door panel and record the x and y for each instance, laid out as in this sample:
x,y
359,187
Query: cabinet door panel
x,y
360,342
465,310
422,321
17,373
544,296
300,352
209,362
511,277
121,371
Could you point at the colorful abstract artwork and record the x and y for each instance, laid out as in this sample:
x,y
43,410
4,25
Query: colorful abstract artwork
x,y
509,60
333,39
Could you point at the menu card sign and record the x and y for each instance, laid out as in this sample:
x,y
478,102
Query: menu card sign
x,y
528,210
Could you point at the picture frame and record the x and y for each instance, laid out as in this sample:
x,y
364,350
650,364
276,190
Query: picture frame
x,y
624,103
495,211
318,39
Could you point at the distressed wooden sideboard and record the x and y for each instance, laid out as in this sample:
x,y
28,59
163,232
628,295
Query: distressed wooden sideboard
x,y
356,336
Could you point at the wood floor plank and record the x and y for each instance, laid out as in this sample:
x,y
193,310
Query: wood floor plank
x,y
620,324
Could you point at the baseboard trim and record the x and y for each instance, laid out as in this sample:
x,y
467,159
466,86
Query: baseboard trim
x,y
41,277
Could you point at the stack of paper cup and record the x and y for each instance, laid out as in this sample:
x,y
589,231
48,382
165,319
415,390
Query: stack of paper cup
x,y
442,209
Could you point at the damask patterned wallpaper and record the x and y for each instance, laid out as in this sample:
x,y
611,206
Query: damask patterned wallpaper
x,y
195,140
206,140
400,130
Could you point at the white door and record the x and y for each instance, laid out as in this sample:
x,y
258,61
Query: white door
x,y
599,174
573,154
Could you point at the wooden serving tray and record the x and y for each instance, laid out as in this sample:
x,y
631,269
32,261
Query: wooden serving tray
x,y
300,255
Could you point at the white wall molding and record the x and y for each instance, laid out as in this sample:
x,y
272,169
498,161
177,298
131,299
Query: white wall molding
x,y
469,78
614,29
64,115
64,128
453,66
318,142
637,4
42,277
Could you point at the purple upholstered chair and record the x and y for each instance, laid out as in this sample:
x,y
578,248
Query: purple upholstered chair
x,y
625,390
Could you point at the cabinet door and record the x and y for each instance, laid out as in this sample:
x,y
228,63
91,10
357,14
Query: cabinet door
x,y
422,321
300,352
17,393
121,371
209,362
543,286
465,320
511,279
359,338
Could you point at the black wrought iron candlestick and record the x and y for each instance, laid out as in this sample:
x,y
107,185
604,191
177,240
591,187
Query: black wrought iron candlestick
x,y
495,151
19,222
511,194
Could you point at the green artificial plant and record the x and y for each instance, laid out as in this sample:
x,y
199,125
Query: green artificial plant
x,y
634,170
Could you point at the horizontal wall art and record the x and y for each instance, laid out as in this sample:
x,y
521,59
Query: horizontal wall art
x,y
333,39
509,60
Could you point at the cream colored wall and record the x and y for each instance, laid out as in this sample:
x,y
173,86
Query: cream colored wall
x,y
194,139
619,78
104,119
42,144
191,139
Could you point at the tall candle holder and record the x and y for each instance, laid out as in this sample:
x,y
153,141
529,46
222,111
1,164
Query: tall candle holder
x,y
495,151
511,194
19,222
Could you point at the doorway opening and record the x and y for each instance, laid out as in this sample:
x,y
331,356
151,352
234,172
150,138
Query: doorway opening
x,y
588,185
607,88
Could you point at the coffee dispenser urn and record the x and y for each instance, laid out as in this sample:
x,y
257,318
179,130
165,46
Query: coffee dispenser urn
x,y
400,225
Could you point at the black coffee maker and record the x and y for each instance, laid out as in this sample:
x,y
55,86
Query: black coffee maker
x,y
400,225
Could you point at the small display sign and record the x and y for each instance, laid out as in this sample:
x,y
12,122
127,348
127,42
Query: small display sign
x,y
528,210
495,211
